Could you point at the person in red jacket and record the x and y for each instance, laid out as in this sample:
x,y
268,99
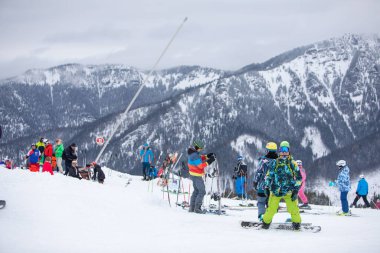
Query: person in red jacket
x,y
47,166
48,152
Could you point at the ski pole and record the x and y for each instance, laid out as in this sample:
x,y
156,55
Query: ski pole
x,y
124,115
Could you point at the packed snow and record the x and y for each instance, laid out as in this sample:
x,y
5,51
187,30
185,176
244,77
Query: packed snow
x,y
47,213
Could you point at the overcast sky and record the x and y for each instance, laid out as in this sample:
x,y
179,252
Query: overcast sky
x,y
219,33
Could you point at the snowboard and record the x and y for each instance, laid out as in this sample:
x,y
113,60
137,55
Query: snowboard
x,y
305,227
2,204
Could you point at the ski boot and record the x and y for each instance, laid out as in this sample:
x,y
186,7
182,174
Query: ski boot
x,y
261,217
304,206
265,225
296,225
200,211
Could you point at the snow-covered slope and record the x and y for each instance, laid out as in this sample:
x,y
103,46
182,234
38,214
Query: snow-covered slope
x,y
61,214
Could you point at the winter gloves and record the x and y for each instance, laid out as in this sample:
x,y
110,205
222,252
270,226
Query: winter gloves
x,y
210,159
294,195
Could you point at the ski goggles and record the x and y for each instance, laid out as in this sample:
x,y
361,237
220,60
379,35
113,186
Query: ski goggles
x,y
284,149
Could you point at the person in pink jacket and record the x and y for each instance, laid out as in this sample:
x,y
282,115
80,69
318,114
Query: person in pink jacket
x,y
301,193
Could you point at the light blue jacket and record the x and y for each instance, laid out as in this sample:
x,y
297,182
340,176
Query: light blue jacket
x,y
362,187
146,155
343,180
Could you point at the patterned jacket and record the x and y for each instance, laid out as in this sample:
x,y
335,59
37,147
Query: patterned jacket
x,y
196,163
262,169
343,180
283,177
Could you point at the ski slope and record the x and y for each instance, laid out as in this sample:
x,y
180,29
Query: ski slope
x,y
47,213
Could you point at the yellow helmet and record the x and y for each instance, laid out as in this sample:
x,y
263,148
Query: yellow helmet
x,y
271,146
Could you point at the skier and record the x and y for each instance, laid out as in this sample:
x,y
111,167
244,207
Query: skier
x,y
240,176
58,150
33,156
41,147
48,152
283,181
361,192
47,165
69,154
265,162
301,194
344,185
146,158
98,173
197,164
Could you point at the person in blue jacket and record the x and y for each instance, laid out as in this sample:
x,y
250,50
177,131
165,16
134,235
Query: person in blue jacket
x,y
146,158
344,185
361,192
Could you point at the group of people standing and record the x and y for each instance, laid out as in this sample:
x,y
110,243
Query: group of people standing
x,y
44,157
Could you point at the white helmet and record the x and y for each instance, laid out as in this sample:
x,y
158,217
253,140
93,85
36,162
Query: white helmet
x,y
341,163
299,162
361,176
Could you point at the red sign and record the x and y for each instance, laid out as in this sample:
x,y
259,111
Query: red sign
x,y
99,140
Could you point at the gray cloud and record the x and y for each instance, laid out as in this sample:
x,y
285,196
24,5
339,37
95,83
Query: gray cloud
x,y
220,33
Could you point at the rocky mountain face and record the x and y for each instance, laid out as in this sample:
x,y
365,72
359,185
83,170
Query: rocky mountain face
x,y
323,98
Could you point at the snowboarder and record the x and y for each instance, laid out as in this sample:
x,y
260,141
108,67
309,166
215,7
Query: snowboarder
x,y
265,162
361,192
58,150
146,158
33,156
301,193
69,154
240,176
98,173
344,185
283,181
197,164
47,165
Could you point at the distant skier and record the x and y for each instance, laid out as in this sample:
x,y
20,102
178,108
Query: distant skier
x,y
197,164
361,192
344,185
301,193
265,162
48,152
240,176
98,173
58,151
283,181
69,155
41,147
33,156
146,158
47,165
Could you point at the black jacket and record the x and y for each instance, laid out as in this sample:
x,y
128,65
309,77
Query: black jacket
x,y
70,154
98,173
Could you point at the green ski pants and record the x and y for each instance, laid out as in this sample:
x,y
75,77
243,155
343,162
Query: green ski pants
x,y
273,204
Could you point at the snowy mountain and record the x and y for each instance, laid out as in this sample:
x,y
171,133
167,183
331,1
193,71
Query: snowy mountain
x,y
60,214
323,98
